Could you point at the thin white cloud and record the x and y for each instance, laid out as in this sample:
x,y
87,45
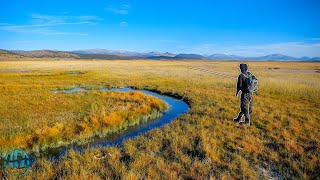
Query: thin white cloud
x,y
45,19
42,18
39,22
49,32
124,24
41,31
123,10
296,49
10,27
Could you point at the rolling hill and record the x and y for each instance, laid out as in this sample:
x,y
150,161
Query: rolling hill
x,y
105,54
48,54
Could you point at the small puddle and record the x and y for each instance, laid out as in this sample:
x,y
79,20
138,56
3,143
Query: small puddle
x,y
176,109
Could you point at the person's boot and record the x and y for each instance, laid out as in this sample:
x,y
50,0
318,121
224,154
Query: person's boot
x,y
246,122
237,120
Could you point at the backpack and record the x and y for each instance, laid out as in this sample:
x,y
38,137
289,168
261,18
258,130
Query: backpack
x,y
251,82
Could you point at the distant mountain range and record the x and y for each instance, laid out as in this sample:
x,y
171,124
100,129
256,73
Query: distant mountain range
x,y
167,55
267,57
122,54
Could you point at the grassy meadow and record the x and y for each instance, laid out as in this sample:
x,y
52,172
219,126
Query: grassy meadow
x,y
282,142
36,118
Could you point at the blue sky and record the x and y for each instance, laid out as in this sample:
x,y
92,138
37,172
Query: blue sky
x,y
248,27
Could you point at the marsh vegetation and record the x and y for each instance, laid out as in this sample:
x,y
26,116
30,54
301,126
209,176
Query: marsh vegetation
x,y
283,140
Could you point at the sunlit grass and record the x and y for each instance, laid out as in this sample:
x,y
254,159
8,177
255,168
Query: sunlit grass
x,y
204,143
33,117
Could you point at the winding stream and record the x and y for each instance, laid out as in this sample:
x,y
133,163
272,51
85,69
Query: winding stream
x,y
176,109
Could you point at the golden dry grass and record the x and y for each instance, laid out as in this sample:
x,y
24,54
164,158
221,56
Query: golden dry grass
x,y
34,117
282,141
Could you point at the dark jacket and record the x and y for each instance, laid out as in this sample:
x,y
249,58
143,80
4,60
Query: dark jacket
x,y
241,84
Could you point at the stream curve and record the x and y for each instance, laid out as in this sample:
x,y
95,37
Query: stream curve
x,y
176,109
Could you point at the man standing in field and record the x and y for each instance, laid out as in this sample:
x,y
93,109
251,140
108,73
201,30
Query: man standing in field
x,y
245,85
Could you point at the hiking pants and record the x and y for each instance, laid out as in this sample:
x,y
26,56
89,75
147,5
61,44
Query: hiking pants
x,y
246,102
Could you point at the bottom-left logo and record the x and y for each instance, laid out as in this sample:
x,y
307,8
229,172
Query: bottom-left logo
x,y
16,163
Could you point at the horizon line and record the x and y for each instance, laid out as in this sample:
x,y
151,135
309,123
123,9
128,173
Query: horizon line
x,y
140,52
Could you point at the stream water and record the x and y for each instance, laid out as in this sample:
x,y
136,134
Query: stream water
x,y
176,109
